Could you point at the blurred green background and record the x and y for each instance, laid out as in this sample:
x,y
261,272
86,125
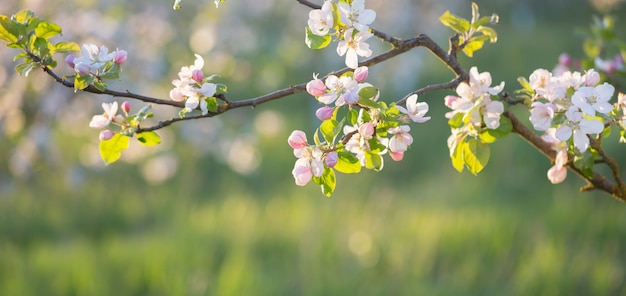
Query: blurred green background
x,y
214,210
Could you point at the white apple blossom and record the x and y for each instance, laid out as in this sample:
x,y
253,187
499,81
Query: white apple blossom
x,y
401,138
354,46
94,56
592,99
321,20
356,15
189,87
541,115
340,90
109,115
415,110
579,127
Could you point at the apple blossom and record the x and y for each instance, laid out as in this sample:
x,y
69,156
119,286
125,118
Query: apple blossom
x,y
94,56
321,20
309,161
297,140
415,110
120,57
82,68
401,138
341,90
541,115
396,156
100,121
354,46
69,59
331,159
592,99
126,107
592,77
356,15
579,127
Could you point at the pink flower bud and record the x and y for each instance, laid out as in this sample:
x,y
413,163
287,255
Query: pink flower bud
x,y
565,59
70,60
449,101
297,139
120,57
591,77
316,87
324,113
82,68
331,159
360,73
396,156
126,107
106,135
367,130
197,75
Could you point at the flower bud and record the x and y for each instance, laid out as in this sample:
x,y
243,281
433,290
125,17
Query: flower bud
x,y
360,74
565,59
331,159
106,135
82,68
126,107
324,113
396,156
316,87
591,77
367,130
120,57
70,60
297,139
197,75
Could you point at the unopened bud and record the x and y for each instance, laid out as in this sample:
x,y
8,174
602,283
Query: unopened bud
x,y
82,68
331,159
565,59
360,74
126,107
324,113
316,87
120,57
197,75
70,60
106,135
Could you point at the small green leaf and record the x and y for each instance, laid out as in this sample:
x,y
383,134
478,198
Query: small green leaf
x,y
476,155
458,24
7,30
525,84
217,2
457,120
373,161
47,30
352,116
211,104
111,150
25,68
490,33
100,85
176,4
347,163
472,46
82,81
149,138
23,16
457,155
66,47
111,71
329,130
329,182
316,42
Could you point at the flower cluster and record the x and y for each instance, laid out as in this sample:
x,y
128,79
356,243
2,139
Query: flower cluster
x,y
95,60
370,128
193,88
473,110
108,117
569,107
351,28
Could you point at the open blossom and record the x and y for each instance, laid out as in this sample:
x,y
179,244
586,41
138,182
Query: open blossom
x,y
592,99
341,90
401,138
354,46
579,127
358,142
321,20
415,110
189,87
95,57
356,15
104,119
541,115
479,85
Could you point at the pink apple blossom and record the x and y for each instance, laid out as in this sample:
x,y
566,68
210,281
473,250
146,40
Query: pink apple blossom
x,y
361,73
558,172
316,87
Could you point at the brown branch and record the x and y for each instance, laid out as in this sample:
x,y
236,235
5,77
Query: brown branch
x,y
596,182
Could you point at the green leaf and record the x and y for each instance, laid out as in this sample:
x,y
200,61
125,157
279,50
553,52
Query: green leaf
x,y
100,85
352,116
8,33
457,120
66,47
347,163
476,155
490,33
47,30
23,16
591,48
458,24
111,71
149,138
525,84
176,4
490,135
373,161
472,46
82,81
330,129
457,155
585,163
111,150
316,42
329,182
211,104
25,68
144,113
217,2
